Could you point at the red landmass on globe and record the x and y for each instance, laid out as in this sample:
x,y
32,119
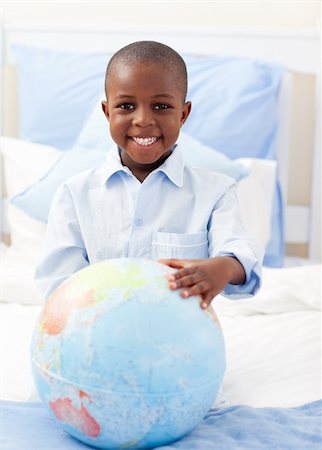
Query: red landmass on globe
x,y
78,418
60,305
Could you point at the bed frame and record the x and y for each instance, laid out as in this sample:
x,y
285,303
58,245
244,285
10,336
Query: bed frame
x,y
298,52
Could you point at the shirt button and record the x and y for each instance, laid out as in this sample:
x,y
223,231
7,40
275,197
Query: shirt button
x,y
138,222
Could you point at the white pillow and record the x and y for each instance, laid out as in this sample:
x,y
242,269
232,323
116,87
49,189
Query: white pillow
x,y
24,163
256,197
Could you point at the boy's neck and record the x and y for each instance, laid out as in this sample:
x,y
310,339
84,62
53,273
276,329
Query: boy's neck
x,y
141,171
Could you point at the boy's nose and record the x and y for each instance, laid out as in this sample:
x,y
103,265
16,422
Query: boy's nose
x,y
143,117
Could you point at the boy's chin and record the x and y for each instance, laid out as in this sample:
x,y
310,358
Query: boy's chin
x,y
144,155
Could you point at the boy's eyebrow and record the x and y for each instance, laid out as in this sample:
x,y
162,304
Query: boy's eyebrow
x,y
163,95
120,96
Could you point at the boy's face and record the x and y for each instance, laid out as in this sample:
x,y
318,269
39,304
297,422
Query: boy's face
x,y
146,110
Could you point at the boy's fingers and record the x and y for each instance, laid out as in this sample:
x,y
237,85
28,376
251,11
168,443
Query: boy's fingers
x,y
185,276
209,298
196,289
180,263
205,302
174,263
185,281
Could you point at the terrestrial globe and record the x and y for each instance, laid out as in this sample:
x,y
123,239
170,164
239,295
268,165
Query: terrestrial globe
x,y
122,361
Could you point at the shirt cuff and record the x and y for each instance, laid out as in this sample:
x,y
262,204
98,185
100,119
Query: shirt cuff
x,y
253,281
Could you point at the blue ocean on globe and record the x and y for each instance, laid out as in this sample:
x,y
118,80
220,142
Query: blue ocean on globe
x,y
122,361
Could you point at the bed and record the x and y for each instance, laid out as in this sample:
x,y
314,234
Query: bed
x,y
273,372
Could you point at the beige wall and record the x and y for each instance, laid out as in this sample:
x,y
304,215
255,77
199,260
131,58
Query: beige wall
x,y
256,14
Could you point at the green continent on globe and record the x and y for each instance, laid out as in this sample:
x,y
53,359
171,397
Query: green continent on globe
x,y
78,293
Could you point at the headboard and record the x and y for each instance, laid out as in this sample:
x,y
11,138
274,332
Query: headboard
x,y
299,130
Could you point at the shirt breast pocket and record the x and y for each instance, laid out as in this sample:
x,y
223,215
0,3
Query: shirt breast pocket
x,y
180,246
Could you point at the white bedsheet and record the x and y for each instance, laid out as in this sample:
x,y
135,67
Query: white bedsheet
x,y
273,343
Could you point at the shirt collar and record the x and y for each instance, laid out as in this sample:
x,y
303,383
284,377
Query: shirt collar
x,y
172,167
112,164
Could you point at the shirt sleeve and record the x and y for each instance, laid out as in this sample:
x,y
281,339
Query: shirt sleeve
x,y
64,250
228,237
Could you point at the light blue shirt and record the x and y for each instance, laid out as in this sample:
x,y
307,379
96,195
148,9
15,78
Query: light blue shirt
x,y
177,212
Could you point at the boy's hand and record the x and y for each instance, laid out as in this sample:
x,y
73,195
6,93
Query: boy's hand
x,y
204,277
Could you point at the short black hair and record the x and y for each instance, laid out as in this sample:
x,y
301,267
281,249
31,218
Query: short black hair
x,y
151,52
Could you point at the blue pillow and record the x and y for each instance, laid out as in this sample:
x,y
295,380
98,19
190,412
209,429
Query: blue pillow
x,y
36,199
95,132
56,91
234,105
201,156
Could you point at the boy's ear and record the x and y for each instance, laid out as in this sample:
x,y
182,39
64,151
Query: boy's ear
x,y
185,112
105,109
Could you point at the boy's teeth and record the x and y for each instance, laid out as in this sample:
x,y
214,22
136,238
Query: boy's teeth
x,y
144,141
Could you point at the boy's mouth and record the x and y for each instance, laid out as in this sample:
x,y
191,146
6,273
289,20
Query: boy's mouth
x,y
144,140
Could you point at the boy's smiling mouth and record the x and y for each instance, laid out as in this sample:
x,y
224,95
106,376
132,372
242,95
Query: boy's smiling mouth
x,y
146,141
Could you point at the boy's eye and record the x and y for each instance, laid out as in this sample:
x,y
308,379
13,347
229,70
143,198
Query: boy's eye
x,y
127,106
161,106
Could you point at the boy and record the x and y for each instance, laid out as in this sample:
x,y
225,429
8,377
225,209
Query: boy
x,y
144,201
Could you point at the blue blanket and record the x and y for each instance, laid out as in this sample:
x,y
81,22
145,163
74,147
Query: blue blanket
x,y
28,426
